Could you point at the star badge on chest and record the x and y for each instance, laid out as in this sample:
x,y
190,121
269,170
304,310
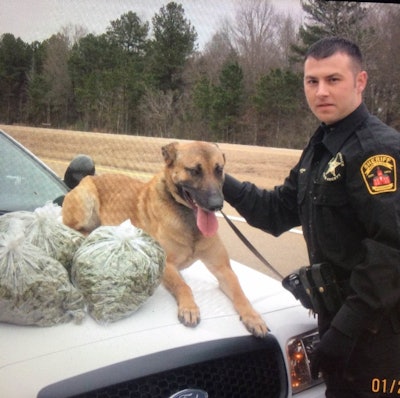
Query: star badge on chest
x,y
333,171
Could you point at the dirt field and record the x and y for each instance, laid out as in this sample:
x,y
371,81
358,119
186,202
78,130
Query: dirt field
x,y
141,156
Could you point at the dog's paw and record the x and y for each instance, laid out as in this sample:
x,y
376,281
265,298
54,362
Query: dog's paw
x,y
255,325
189,316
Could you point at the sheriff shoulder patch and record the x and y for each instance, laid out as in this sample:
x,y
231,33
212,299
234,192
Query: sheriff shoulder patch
x,y
379,174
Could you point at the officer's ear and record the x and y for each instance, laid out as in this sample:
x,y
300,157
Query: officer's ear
x,y
361,81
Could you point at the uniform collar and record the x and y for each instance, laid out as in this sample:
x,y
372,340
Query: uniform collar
x,y
336,134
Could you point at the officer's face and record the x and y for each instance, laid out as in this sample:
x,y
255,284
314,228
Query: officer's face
x,y
333,87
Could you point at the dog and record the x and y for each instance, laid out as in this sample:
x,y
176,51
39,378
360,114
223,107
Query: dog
x,y
177,208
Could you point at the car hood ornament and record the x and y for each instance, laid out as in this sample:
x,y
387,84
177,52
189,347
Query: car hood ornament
x,y
190,393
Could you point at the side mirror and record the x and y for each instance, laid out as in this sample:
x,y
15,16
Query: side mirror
x,y
80,166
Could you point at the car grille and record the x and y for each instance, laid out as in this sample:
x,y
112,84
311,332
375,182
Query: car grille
x,y
254,374
244,367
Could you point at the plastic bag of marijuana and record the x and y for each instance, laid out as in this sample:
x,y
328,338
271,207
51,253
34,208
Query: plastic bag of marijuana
x,y
117,268
44,229
34,288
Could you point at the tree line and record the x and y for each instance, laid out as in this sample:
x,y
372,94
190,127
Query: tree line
x,y
150,78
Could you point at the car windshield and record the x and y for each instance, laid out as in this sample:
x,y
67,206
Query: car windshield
x,y
25,183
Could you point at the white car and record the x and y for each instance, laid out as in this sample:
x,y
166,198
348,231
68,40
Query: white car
x,y
151,354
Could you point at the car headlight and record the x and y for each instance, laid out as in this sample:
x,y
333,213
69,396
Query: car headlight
x,y
299,351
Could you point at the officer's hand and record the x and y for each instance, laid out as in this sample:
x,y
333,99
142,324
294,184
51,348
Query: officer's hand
x,y
331,353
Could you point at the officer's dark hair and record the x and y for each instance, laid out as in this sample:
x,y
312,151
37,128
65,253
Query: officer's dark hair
x,y
328,46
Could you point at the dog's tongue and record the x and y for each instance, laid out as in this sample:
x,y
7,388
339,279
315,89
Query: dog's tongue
x,y
206,222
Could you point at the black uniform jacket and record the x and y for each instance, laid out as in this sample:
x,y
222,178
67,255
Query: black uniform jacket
x,y
344,193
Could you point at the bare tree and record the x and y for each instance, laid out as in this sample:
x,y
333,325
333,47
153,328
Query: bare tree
x,y
57,78
157,110
255,37
73,33
217,51
287,35
382,53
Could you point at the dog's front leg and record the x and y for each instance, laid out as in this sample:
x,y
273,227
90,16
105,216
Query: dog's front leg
x,y
217,261
229,284
188,311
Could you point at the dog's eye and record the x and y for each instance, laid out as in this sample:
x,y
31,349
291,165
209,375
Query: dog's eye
x,y
194,171
219,170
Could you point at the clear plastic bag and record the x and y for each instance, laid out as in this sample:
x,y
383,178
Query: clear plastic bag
x,y
34,288
44,229
117,269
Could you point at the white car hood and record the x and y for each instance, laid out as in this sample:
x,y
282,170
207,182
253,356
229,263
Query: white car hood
x,y
33,357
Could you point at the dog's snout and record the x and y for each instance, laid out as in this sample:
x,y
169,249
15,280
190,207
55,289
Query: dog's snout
x,y
207,199
215,202
215,207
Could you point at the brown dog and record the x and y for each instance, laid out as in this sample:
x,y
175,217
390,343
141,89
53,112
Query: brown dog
x,y
176,207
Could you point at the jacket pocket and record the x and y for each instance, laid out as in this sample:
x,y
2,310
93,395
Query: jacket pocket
x,y
330,194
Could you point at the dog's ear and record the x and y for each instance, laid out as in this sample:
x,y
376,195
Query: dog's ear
x,y
169,153
223,155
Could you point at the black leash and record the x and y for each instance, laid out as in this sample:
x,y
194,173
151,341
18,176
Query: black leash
x,y
250,246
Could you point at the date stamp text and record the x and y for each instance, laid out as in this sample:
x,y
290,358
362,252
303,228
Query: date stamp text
x,y
385,386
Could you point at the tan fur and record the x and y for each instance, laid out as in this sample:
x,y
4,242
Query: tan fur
x,y
159,208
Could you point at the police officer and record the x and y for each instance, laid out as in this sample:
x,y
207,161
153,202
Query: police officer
x,y
344,193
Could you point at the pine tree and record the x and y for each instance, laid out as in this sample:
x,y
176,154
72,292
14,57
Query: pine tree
x,y
174,41
330,18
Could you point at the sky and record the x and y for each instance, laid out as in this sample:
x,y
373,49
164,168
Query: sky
x,y
33,20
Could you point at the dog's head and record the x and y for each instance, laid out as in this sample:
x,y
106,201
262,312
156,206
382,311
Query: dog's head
x,y
195,175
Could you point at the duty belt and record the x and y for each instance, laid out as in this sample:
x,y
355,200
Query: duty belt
x,y
317,288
